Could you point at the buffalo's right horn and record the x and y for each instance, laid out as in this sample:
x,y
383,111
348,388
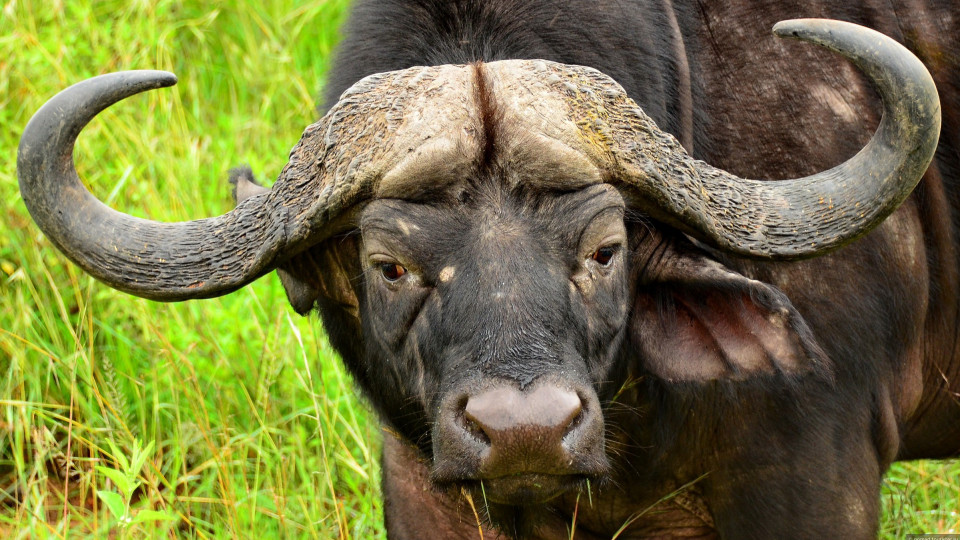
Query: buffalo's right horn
x,y
162,261
336,166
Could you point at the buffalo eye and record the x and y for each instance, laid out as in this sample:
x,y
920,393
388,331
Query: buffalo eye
x,y
604,256
391,271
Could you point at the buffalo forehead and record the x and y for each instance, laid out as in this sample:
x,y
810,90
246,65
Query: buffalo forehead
x,y
440,140
527,222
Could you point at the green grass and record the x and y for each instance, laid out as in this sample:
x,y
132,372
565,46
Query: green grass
x,y
257,430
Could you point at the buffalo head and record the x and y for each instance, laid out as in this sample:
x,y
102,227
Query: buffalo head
x,y
485,242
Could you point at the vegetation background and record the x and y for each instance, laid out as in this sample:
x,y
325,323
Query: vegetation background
x,y
228,417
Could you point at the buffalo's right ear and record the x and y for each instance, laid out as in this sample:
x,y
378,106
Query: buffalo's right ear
x,y
695,319
323,272
245,184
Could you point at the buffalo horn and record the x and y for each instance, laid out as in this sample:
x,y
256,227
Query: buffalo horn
x,y
161,261
390,124
801,217
334,168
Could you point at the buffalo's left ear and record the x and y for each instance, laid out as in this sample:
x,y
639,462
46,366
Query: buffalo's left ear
x,y
694,319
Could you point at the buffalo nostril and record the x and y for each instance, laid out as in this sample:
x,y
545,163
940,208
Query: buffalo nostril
x,y
576,416
474,427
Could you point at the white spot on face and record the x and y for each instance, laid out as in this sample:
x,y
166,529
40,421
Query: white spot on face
x,y
447,273
405,227
584,282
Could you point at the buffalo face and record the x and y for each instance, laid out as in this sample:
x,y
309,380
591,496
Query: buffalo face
x,y
499,312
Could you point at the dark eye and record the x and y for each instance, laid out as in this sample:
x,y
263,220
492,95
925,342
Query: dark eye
x,y
604,255
392,271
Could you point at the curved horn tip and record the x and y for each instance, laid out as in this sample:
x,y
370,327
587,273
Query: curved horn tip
x,y
164,78
123,83
161,78
64,115
871,184
807,28
137,80
104,90
841,36
847,38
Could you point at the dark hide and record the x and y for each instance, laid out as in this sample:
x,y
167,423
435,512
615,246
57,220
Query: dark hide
x,y
739,399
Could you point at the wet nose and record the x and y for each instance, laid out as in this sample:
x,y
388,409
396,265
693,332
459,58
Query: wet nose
x,y
524,445
524,432
512,420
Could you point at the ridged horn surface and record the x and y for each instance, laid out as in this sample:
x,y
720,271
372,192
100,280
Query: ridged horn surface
x,y
161,261
786,219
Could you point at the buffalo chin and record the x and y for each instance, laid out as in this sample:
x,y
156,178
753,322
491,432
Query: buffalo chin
x,y
527,488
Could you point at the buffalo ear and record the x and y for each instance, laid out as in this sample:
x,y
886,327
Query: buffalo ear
x,y
320,272
323,272
694,319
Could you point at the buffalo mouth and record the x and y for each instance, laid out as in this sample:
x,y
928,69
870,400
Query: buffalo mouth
x,y
525,489
519,486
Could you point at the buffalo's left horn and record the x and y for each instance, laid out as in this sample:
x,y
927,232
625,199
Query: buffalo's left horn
x,y
161,261
786,219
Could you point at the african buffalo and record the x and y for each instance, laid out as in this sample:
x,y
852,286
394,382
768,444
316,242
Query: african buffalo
x,y
570,325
